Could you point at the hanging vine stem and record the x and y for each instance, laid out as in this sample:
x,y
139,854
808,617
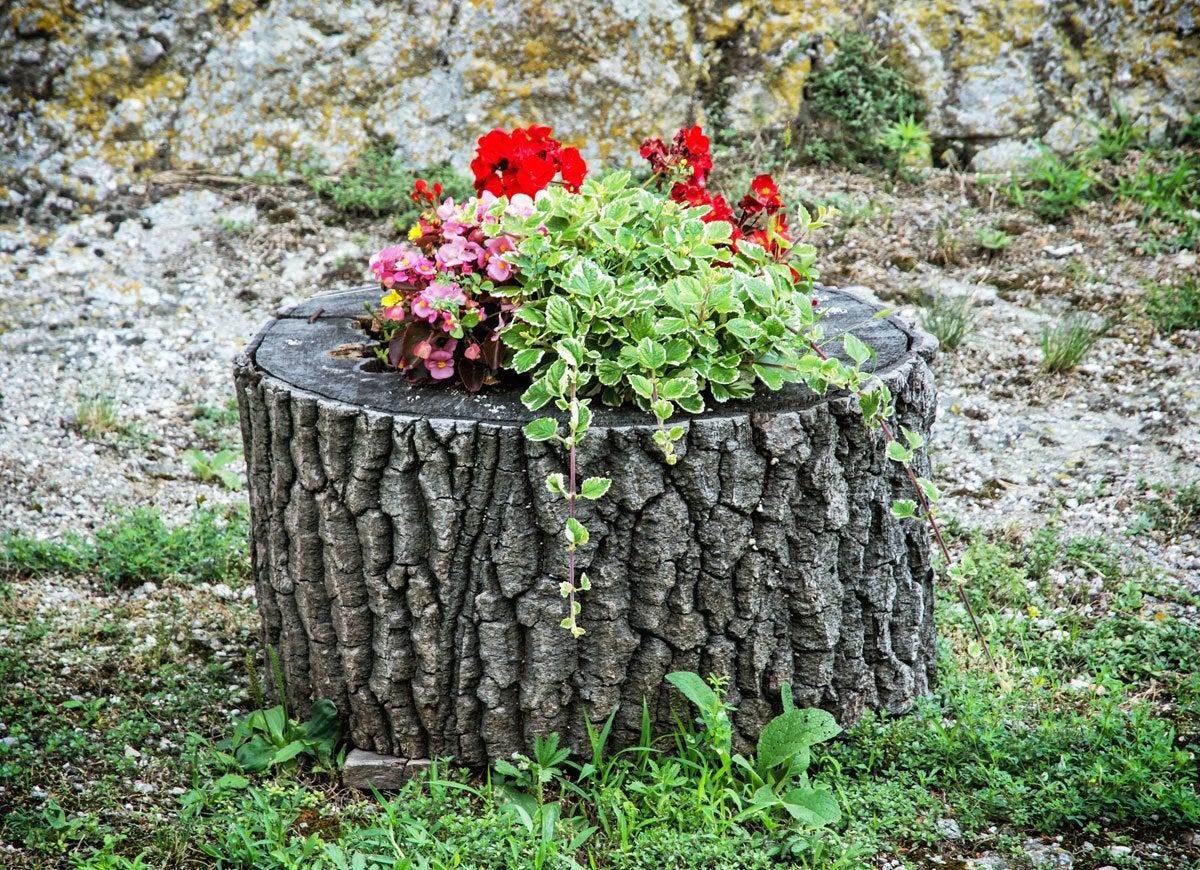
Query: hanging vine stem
x,y
903,456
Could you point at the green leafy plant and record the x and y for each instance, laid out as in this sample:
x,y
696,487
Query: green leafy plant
x,y
775,779
270,737
1159,182
993,240
96,415
909,145
1172,308
216,467
377,183
1068,340
854,97
949,319
209,547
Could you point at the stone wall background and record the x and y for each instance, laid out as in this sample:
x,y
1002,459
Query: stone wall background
x,y
94,94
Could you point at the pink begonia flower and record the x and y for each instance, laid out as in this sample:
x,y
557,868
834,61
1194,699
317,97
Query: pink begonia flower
x,y
436,299
394,312
421,308
497,268
458,252
440,364
393,263
520,204
472,351
447,209
422,350
425,268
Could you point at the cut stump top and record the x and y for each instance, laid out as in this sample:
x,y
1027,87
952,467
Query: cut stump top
x,y
295,349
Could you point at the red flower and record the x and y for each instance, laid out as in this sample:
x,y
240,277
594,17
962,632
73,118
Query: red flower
x,y
763,196
524,161
573,168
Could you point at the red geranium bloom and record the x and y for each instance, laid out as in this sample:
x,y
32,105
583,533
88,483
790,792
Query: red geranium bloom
x,y
524,161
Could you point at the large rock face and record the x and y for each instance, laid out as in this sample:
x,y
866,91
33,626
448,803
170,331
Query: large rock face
x,y
93,94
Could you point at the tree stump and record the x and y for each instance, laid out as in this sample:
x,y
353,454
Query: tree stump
x,y
407,556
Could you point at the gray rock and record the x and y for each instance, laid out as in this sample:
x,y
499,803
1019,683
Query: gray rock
x,y
949,829
1004,157
363,769
146,51
1048,855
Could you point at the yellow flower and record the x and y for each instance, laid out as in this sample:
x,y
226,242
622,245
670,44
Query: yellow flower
x,y
414,233
391,299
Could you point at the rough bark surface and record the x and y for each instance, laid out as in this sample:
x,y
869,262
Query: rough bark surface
x,y
407,555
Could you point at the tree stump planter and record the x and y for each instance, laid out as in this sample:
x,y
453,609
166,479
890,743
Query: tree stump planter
x,y
407,556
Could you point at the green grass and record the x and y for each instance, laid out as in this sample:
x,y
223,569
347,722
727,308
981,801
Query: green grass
x,y
1157,184
949,319
1089,732
139,547
378,183
1067,341
1172,308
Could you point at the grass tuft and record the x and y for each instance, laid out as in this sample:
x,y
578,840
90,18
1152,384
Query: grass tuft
x,y
949,319
1067,342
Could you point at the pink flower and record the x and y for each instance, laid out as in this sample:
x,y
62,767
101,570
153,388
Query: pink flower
x,y
458,252
472,351
422,350
425,268
394,312
447,209
520,204
393,263
437,299
499,269
421,308
440,364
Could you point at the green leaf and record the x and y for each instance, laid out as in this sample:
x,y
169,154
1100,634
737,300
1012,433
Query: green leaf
x,y
855,348
670,325
537,395
812,806
609,372
674,388
915,439
559,316
255,754
662,409
541,429
718,232
693,404
744,329
642,386
323,723
556,483
896,451
231,781
595,487
695,690
903,508
524,360
773,378
566,353
651,354
792,731
927,487
576,533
